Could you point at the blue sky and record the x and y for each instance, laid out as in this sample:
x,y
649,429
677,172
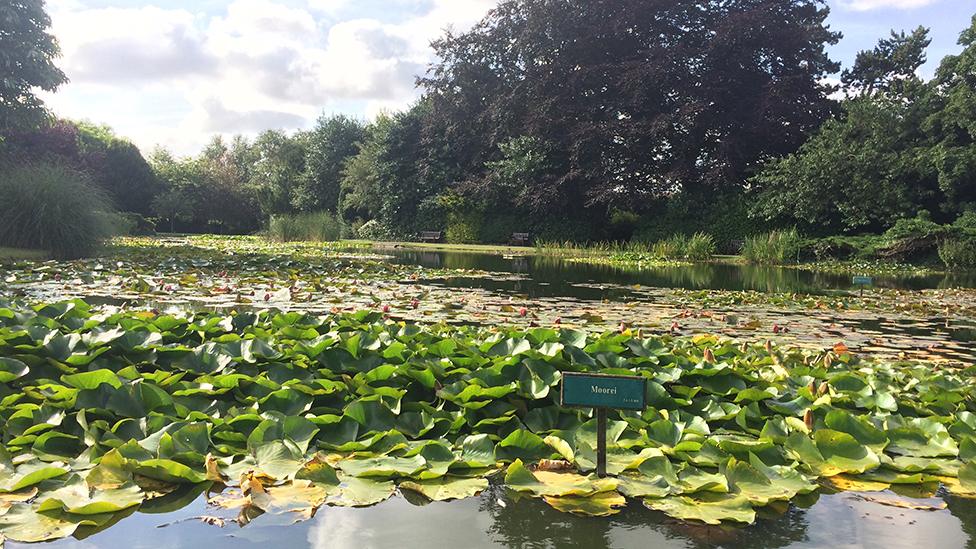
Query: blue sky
x,y
176,72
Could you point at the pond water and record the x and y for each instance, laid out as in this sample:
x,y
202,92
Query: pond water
x,y
498,518
544,276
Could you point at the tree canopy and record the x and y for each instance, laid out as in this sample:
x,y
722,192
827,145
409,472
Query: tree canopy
x,y
26,62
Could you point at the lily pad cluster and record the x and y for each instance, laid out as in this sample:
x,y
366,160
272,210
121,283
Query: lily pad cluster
x,y
106,411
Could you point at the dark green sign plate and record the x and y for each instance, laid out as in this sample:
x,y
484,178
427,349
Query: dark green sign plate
x,y
863,281
603,391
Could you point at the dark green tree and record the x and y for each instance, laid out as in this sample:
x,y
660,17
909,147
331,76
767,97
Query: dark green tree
x,y
890,66
333,140
27,54
278,168
951,126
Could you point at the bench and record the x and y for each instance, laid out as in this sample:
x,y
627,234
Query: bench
x,y
520,239
431,236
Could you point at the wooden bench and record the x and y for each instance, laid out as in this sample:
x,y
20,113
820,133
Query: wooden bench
x,y
521,239
431,236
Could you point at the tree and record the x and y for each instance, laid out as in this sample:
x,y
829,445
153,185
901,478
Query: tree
x,y
278,167
861,171
172,205
899,146
890,66
27,54
359,194
637,99
110,162
951,126
333,140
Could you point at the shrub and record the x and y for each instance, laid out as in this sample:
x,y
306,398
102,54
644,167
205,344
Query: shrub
x,y
772,248
966,223
958,253
841,247
918,227
374,230
53,208
312,227
700,247
463,227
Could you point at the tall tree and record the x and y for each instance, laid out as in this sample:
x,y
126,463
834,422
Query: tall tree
x,y
333,140
952,124
27,54
278,168
634,98
890,66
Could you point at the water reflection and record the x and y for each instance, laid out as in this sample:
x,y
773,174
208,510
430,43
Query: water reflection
x,y
549,276
500,518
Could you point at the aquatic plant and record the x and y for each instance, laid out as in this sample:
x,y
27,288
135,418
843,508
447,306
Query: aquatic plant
x,y
773,248
109,410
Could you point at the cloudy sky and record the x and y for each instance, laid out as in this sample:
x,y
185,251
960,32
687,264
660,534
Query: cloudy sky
x,y
176,72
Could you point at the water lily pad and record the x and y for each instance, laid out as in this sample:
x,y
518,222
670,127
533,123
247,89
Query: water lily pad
x,y
446,488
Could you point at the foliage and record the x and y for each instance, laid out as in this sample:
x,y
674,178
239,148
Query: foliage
x,y
359,189
858,172
113,164
209,193
314,227
959,252
298,411
900,146
172,206
841,247
330,144
374,230
560,76
773,248
699,247
26,63
278,166
890,66
52,208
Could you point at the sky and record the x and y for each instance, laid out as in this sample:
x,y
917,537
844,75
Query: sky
x,y
174,73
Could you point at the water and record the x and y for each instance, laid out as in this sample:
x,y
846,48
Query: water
x,y
499,518
544,276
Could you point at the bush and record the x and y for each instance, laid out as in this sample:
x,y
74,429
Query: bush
x,y
53,208
700,247
463,227
374,230
958,253
919,227
841,247
669,248
311,227
772,248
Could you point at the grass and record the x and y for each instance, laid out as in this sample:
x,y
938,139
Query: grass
x,y
53,208
306,227
698,247
19,253
773,248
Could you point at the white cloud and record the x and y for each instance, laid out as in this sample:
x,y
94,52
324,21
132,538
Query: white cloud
x,y
865,5
176,77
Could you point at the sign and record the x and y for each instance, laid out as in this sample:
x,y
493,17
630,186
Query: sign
x,y
863,281
603,391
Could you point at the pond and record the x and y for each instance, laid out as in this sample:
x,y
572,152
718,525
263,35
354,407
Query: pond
x,y
595,297
498,518
546,276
